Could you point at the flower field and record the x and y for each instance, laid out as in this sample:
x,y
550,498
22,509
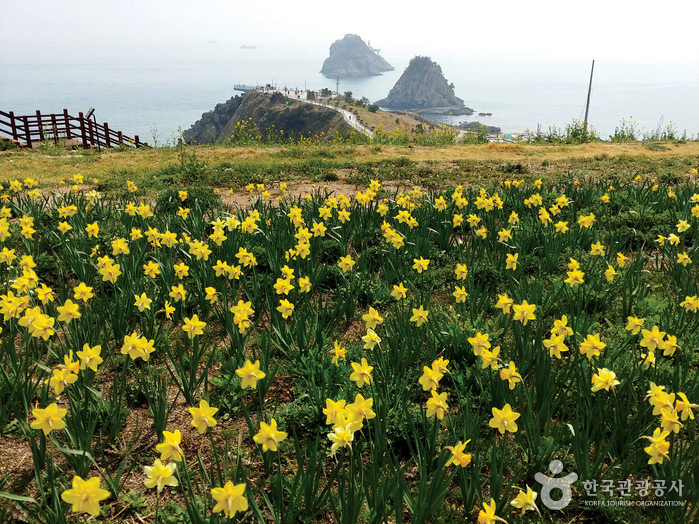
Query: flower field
x,y
391,355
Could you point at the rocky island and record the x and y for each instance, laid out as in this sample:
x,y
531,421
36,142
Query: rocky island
x,y
422,88
351,57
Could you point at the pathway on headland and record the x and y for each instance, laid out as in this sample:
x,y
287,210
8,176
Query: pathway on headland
x,y
300,96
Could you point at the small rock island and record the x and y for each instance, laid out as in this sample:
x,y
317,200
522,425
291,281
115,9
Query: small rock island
x,y
422,88
352,57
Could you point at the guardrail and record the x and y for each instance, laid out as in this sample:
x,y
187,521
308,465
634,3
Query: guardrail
x,y
31,130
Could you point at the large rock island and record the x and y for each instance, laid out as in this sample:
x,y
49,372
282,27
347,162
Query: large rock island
x,y
422,88
351,57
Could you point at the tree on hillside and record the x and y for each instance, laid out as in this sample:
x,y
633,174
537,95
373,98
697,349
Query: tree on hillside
x,y
373,108
348,97
311,95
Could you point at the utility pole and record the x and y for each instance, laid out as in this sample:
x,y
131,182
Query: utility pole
x,y
337,87
589,90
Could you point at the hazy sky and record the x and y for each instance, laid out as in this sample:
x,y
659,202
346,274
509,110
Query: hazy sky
x,y
612,30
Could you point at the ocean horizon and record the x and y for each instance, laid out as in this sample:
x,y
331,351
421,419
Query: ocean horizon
x,y
159,98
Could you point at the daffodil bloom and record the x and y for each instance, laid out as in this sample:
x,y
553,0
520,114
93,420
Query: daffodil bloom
x,y
151,269
458,455
362,373
526,501
420,264
653,338
136,346
178,293
524,312
510,374
85,495
142,302
337,352
437,404
372,318
346,263
268,436
170,448
371,339
487,514
49,419
634,324
511,261
479,342
505,303
490,358
555,345
586,221
560,327
592,346
461,271
610,273
399,291
457,220
333,409
68,311
181,270
690,303
670,346
682,405
597,249
61,378
430,378
90,357
93,229
341,436
561,227
229,499
110,273
286,308
670,420
419,316
460,294
683,258
305,284
621,260
504,419
193,326
160,476
361,408
250,373
659,447
575,278
604,379
673,239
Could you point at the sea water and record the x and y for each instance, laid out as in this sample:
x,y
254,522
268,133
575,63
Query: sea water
x,y
157,99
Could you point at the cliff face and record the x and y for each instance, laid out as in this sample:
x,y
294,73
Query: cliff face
x,y
208,128
295,119
423,88
351,57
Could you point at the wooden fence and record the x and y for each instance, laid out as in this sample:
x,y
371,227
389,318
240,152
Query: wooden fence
x,y
31,130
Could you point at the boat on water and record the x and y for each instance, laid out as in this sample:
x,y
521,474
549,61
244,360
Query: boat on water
x,y
248,46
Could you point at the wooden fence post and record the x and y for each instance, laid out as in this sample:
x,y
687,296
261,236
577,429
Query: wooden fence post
x,y
41,128
92,136
25,119
121,138
55,129
69,135
83,132
137,142
13,125
106,135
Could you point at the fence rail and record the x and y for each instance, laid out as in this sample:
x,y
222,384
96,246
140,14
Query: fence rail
x,y
31,130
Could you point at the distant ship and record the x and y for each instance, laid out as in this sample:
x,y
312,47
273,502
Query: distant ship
x,y
248,46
